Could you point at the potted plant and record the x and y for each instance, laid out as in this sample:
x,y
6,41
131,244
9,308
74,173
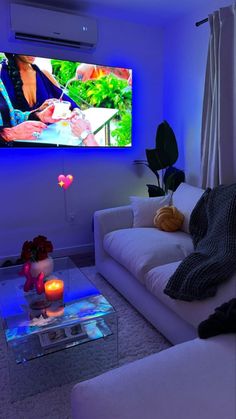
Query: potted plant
x,y
163,156
36,252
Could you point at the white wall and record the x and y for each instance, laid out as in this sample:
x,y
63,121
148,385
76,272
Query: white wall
x,y
185,47
31,202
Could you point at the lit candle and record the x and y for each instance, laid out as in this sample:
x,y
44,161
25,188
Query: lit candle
x,y
54,289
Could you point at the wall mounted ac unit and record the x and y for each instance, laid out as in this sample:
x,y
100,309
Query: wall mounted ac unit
x,y
52,27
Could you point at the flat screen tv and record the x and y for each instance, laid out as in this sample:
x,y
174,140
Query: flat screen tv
x,y
98,94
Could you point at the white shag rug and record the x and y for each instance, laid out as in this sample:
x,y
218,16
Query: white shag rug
x,y
136,339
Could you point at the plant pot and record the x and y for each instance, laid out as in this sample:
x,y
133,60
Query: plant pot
x,y
46,266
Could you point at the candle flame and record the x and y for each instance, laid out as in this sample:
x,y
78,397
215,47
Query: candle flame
x,y
54,284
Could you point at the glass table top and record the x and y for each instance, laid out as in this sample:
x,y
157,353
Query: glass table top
x,y
73,319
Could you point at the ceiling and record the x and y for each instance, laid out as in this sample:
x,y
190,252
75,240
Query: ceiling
x,y
147,11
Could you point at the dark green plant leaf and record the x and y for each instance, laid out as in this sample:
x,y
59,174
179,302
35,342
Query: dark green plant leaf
x,y
166,145
153,159
154,190
172,178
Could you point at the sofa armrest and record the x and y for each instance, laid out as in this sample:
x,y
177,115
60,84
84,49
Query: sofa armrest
x,y
195,379
108,220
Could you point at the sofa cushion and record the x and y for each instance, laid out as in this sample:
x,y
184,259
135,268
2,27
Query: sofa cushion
x,y
192,312
185,198
145,208
192,380
141,249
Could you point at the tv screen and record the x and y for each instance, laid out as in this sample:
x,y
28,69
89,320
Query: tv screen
x,y
46,102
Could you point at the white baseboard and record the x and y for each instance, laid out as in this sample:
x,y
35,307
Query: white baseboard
x,y
76,250
61,252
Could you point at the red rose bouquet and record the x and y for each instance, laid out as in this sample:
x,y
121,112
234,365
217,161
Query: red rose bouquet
x,y
36,250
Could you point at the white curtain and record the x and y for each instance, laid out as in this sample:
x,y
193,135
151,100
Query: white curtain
x,y
218,137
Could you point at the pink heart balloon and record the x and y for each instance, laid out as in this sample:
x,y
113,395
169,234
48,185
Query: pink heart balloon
x,y
65,181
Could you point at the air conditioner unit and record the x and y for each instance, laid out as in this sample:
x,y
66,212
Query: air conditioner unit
x,y
52,27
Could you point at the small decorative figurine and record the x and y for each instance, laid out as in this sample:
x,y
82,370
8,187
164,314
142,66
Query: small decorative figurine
x,y
32,282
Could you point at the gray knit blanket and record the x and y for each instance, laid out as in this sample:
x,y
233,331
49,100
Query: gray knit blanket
x,y
213,230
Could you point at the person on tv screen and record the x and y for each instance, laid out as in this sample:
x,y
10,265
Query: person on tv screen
x,y
29,87
18,125
86,72
28,125
81,128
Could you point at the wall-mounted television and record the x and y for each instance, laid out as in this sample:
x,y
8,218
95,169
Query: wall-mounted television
x,y
99,95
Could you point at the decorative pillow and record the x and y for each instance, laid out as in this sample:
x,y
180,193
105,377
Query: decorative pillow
x,y
168,218
185,198
145,208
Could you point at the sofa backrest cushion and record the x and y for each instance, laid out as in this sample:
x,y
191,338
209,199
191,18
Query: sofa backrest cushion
x,y
185,198
145,208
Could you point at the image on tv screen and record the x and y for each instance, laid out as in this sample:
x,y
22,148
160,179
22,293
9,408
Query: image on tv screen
x,y
46,102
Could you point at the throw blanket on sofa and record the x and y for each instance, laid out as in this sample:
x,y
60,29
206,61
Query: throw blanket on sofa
x,y
213,229
222,321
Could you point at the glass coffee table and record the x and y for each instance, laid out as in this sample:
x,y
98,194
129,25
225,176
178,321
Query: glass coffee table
x,y
78,334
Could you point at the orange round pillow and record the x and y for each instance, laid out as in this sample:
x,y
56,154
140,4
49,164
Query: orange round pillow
x,y
168,218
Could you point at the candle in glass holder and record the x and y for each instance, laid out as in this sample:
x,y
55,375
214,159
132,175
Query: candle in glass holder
x,y
55,311
54,289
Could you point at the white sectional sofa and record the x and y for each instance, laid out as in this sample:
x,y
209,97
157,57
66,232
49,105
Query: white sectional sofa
x,y
194,380
138,261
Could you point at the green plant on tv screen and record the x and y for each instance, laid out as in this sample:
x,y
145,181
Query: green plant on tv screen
x,y
123,131
108,91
